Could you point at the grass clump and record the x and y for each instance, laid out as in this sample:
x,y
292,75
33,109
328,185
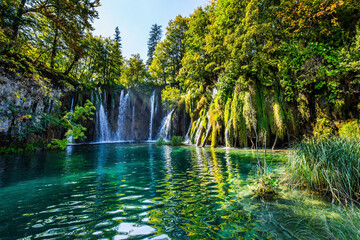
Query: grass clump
x,y
266,188
328,165
335,222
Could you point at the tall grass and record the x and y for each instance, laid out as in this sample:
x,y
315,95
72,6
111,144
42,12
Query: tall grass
x,y
337,222
328,165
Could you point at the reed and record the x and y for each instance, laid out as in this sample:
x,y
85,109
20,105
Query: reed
x,y
328,165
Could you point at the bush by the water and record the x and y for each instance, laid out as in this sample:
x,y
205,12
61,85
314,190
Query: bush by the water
x,y
160,142
176,141
328,165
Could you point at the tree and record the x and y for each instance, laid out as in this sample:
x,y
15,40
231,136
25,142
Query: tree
x,y
102,64
118,37
134,72
51,25
168,54
194,72
155,37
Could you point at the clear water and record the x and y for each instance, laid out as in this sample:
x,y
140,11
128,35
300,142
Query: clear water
x,y
132,191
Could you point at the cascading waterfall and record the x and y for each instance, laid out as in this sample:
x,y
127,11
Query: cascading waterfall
x,y
198,132
70,138
187,136
103,123
166,127
123,108
152,106
227,138
119,118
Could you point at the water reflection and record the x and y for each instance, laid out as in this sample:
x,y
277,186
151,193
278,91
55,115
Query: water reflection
x,y
126,191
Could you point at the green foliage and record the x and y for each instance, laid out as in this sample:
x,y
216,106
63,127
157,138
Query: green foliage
x,y
102,63
17,148
323,127
75,130
281,63
155,37
160,142
328,165
58,144
350,129
176,141
171,96
134,72
168,54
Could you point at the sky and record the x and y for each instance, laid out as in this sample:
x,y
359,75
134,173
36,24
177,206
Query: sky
x,y
135,18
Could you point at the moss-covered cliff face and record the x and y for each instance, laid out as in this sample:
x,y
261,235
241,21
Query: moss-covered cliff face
x,y
251,114
29,107
31,110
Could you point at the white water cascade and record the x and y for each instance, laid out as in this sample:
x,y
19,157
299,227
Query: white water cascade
x,y
187,136
123,108
227,138
152,106
103,123
166,127
70,138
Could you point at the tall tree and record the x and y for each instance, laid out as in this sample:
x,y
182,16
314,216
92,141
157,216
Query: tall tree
x,y
169,53
155,37
118,37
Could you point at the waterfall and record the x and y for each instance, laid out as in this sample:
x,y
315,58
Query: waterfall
x,y
103,125
102,120
166,127
70,138
227,138
187,136
123,107
152,106
133,123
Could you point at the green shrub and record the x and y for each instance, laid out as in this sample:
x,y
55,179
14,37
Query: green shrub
x,y
160,142
58,143
70,121
176,141
328,165
350,129
323,127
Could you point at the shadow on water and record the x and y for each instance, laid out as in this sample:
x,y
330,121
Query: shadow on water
x,y
135,191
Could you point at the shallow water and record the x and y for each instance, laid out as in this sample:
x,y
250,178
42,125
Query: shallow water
x,y
133,191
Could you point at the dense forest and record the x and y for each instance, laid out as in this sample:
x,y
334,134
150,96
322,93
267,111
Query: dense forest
x,y
262,69
254,74
267,71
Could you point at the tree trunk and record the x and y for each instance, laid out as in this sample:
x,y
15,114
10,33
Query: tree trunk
x,y
76,58
252,143
17,20
273,147
265,165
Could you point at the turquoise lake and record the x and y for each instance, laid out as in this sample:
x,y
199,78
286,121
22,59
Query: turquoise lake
x,y
134,191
